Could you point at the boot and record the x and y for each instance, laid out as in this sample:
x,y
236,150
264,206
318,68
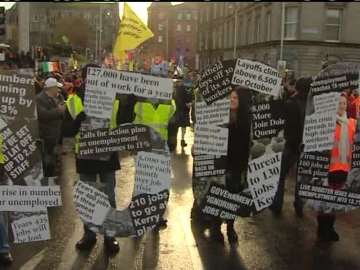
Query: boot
x,y
88,240
111,245
6,258
231,233
215,232
326,231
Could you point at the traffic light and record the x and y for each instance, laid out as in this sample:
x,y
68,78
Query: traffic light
x,y
2,21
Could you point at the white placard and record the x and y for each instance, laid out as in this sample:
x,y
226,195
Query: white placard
x,y
29,198
153,173
263,177
217,113
256,76
91,204
211,140
31,229
102,85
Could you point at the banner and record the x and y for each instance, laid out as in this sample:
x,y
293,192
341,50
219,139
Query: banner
x,y
24,188
317,184
102,85
221,189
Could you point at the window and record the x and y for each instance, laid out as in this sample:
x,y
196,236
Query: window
x,y
214,10
206,40
257,28
226,29
161,15
178,27
239,31
231,34
291,21
160,39
214,39
188,28
220,34
333,24
160,27
179,16
268,26
188,16
36,18
207,14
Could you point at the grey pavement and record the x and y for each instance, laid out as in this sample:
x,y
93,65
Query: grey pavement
x,y
265,241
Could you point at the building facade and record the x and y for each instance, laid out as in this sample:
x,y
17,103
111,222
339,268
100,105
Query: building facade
x,y
175,31
31,25
314,33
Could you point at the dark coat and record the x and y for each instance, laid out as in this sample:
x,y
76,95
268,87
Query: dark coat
x,y
182,97
49,118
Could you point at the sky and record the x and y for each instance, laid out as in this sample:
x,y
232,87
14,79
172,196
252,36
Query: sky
x,y
140,8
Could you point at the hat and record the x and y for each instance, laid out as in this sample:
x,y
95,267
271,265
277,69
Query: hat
x,y
52,82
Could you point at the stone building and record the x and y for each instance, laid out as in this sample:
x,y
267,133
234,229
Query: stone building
x,y
314,33
175,31
31,25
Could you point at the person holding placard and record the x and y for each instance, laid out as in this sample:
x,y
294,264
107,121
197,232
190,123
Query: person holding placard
x,y
237,155
5,256
340,165
89,169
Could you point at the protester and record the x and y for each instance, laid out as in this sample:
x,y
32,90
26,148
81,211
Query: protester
x,y
88,169
237,155
340,165
5,255
183,99
51,109
294,114
354,104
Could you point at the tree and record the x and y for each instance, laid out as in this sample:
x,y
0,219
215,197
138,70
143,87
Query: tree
x,y
73,30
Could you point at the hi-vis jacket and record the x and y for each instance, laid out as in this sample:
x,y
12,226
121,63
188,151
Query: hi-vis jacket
x,y
155,117
75,107
335,163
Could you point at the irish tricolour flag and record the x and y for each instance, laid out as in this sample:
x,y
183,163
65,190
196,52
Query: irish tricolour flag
x,y
50,66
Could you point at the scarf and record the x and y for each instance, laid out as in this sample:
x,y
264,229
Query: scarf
x,y
344,140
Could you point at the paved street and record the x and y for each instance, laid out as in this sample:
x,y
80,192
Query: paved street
x,y
265,241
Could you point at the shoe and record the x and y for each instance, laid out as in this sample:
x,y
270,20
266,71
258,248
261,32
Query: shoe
x,y
326,231
86,243
6,258
232,235
183,143
111,245
298,210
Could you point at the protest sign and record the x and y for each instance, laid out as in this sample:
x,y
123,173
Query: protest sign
x,y
207,165
215,81
123,138
29,198
219,202
268,119
91,204
31,229
210,140
103,84
315,181
215,114
147,210
263,177
257,76
24,191
222,189
152,173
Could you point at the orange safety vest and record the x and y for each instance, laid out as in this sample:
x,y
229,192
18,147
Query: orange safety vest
x,y
335,162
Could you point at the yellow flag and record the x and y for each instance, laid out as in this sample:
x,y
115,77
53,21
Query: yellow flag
x,y
132,32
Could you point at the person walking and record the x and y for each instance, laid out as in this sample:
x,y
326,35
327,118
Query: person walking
x,y
89,169
51,110
340,165
294,114
237,155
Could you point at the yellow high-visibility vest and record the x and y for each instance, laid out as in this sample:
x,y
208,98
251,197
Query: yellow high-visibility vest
x,y
156,118
2,158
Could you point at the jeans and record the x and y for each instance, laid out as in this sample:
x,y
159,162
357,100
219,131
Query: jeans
x,y
289,158
109,182
4,241
49,159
